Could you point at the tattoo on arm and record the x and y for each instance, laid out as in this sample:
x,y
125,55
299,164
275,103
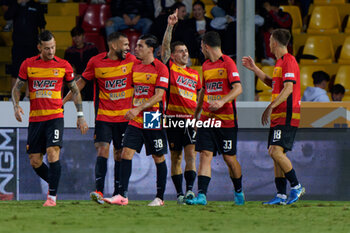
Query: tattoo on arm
x,y
76,96
166,44
16,91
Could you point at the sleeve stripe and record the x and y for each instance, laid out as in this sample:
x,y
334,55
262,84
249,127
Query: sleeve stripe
x,y
22,79
164,88
293,81
85,79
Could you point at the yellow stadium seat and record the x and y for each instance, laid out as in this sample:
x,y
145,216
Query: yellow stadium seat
x,y
208,10
321,47
343,77
347,27
268,70
265,95
63,39
306,76
199,69
206,2
60,23
324,19
344,57
63,9
294,11
330,2
265,98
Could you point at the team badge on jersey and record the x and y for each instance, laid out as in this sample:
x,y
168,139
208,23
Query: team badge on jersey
x,y
124,69
56,72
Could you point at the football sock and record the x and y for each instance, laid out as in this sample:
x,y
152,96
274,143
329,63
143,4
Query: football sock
x,y
190,176
42,172
281,185
161,179
54,177
116,177
100,173
203,183
237,183
125,173
292,178
177,180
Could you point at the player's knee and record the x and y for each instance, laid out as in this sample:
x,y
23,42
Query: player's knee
x,y
35,162
158,159
118,154
103,151
127,153
274,151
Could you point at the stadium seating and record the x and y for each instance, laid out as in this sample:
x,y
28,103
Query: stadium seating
x,y
199,69
306,76
63,9
320,47
208,8
133,35
324,20
97,39
60,23
347,27
345,52
329,2
294,11
265,95
343,77
95,17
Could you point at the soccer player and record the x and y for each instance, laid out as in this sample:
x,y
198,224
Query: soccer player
x,y
150,81
184,83
221,86
111,73
45,74
283,113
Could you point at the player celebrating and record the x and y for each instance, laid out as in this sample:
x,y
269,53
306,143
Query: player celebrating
x,y
150,80
284,112
45,74
184,83
221,86
113,99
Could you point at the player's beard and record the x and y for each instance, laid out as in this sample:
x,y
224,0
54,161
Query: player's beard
x,y
120,54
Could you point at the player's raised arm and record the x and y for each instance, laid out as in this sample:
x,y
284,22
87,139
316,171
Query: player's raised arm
x,y
80,84
16,94
157,97
81,123
249,63
165,52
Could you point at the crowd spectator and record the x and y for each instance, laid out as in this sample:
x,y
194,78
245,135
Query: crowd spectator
x,y
28,17
78,56
5,6
194,30
137,14
337,92
317,93
274,18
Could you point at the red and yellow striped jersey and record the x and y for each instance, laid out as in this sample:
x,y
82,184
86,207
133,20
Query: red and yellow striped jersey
x,y
218,78
146,78
112,86
184,85
288,112
45,80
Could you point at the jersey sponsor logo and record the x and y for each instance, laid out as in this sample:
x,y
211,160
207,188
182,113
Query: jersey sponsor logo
x,y
115,84
117,95
186,94
43,94
214,97
214,86
186,82
44,84
235,74
164,79
289,75
141,90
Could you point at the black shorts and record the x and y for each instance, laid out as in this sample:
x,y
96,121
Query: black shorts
x,y
44,134
217,140
282,135
178,137
154,140
108,131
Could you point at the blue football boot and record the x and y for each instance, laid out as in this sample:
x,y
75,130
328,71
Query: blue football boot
x,y
279,199
295,194
239,198
201,199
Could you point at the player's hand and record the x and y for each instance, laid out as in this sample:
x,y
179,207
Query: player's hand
x,y
82,125
249,63
215,105
18,112
265,118
132,113
172,19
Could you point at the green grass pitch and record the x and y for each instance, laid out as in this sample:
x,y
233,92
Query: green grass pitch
x,y
86,216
